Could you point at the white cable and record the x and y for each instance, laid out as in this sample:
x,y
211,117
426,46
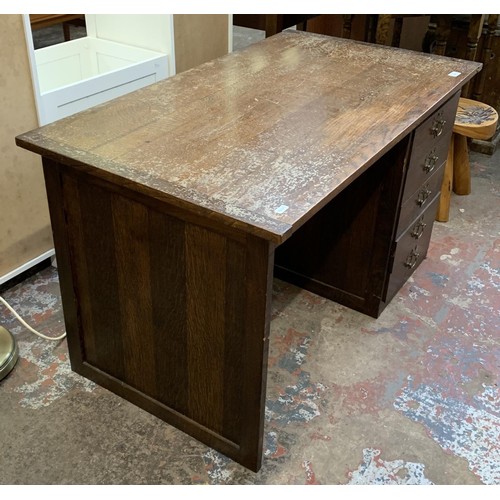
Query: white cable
x,y
21,320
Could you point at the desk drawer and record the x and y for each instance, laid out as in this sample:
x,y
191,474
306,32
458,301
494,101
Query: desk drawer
x,y
411,248
420,199
430,146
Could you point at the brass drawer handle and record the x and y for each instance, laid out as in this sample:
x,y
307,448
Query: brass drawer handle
x,y
412,259
418,229
438,125
423,195
430,162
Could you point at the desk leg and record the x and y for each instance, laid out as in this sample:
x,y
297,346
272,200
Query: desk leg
x,y
170,314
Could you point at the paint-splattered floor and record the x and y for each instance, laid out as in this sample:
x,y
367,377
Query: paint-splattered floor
x,y
409,398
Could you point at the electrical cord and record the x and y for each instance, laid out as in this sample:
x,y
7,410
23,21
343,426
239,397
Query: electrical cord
x,y
21,320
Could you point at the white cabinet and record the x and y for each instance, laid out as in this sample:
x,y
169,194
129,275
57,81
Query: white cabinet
x,y
120,53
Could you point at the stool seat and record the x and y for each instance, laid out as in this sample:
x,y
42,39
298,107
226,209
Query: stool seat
x,y
474,120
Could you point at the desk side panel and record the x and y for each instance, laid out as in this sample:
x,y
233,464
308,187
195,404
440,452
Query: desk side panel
x,y
169,314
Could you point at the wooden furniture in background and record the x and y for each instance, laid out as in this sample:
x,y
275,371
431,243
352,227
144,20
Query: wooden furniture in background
x,y
39,21
271,23
474,120
362,27
369,29
475,27
488,81
167,221
384,29
389,28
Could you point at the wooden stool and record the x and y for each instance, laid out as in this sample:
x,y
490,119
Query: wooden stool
x,y
476,120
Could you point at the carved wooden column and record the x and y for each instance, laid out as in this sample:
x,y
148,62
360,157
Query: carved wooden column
x,y
443,29
486,55
347,25
473,34
383,29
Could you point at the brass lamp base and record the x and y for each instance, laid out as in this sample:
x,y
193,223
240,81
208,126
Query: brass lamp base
x,y
8,352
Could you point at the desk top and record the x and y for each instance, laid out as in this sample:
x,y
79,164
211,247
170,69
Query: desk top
x,y
263,138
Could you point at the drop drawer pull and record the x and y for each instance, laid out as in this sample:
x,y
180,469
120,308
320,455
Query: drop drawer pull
x,y
430,162
423,195
438,125
412,259
418,229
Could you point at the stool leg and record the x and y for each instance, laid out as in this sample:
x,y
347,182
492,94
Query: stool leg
x,y
443,212
461,166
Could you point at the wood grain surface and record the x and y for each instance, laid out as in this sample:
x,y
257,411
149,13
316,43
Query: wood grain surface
x,y
475,119
171,315
263,138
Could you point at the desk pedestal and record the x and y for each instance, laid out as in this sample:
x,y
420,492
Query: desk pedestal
x,y
163,310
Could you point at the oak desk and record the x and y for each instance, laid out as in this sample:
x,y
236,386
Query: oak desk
x,y
168,204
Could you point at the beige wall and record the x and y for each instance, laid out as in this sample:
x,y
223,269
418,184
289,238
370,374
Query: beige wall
x,y
199,38
24,220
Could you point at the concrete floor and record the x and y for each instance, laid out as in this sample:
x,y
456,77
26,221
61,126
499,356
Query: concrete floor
x,y
409,398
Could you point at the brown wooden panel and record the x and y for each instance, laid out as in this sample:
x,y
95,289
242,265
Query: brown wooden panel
x,y
205,286
236,265
133,286
168,294
76,243
173,316
55,195
132,311
103,320
259,259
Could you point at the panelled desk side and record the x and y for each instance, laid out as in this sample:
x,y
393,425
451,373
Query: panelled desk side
x,y
167,206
